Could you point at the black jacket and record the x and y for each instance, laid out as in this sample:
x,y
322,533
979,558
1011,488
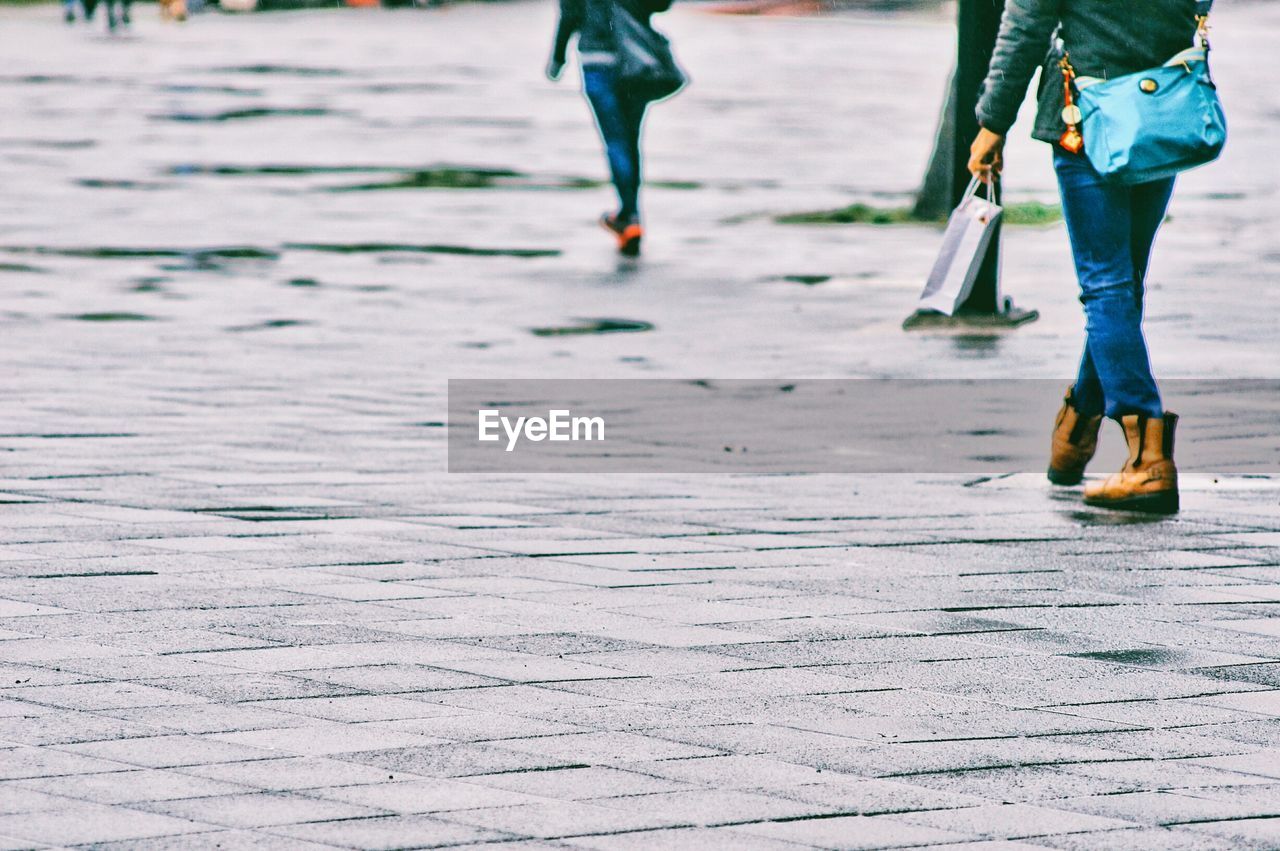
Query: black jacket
x,y
1105,38
590,19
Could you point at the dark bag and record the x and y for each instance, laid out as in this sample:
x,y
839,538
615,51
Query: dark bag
x,y
646,66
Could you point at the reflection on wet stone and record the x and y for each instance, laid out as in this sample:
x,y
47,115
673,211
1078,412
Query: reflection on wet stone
x,y
112,316
594,326
384,247
243,114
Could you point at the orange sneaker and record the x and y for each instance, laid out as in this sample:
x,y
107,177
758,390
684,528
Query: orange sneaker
x,y
628,235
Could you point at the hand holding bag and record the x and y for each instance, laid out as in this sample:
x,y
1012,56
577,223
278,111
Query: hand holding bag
x,y
1154,123
964,247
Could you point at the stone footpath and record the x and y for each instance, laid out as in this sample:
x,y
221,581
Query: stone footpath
x,y
242,604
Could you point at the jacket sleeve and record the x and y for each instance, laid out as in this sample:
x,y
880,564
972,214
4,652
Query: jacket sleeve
x,y
1025,30
571,14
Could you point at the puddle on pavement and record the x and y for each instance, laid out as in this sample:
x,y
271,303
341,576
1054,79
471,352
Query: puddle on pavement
x,y
1142,657
471,178
285,70
594,326
404,260
383,247
144,185
275,170
62,144
149,284
806,280
36,79
976,346
111,316
242,114
92,574
391,88
188,259
416,177
72,435
270,324
184,88
234,252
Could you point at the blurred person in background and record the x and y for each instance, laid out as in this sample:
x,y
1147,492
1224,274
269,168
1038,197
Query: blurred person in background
x,y
619,109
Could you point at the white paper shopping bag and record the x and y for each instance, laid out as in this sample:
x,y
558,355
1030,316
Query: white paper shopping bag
x,y
964,245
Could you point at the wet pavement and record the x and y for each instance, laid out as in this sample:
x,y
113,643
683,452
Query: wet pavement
x,y
242,604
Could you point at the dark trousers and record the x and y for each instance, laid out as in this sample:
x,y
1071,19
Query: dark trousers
x,y
619,117
1112,228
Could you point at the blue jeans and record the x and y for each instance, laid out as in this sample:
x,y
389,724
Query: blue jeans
x,y
1112,229
619,117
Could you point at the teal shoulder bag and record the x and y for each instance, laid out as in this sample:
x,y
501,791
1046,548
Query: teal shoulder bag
x,y
1155,123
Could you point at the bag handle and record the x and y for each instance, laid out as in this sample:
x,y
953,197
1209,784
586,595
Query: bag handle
x,y
993,188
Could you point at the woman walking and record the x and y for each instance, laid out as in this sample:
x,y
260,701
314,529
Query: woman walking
x,y
1111,225
619,109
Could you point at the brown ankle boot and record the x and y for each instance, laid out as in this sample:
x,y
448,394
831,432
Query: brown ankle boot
x,y
1075,439
1149,480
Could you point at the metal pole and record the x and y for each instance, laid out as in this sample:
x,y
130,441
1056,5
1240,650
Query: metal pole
x,y
977,25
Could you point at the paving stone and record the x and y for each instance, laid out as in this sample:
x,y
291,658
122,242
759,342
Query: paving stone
x,y
426,796
392,832
709,807
358,708
247,687
1139,839
19,797
1264,763
856,796
39,727
24,762
218,839
606,748
125,787
212,718
242,604
679,839
575,784
561,819
323,739
457,760
852,832
384,679
1013,821
168,751
1018,785
83,823
259,809
287,773
1167,808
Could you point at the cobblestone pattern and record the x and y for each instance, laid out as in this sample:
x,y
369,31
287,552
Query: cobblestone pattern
x,y
241,605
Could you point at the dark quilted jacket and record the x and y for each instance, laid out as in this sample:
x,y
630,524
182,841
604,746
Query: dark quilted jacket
x,y
590,20
1106,38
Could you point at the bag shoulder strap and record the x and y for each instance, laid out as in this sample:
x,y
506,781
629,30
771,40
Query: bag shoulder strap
x,y
1203,7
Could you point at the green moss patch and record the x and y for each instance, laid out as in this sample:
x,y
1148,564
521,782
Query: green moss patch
x,y
1022,213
